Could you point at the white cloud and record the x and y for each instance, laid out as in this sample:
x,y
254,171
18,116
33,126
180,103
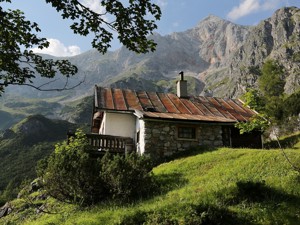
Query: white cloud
x,y
93,5
56,48
247,7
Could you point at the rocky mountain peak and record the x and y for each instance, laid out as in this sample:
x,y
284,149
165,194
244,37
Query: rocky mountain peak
x,y
211,19
218,38
224,56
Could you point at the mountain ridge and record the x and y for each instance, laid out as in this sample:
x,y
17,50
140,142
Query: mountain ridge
x,y
274,38
219,57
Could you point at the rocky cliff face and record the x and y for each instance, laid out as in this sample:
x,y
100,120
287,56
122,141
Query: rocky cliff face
x,y
277,38
218,39
207,47
223,56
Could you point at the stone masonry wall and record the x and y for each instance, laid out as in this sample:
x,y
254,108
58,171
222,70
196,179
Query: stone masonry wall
x,y
161,138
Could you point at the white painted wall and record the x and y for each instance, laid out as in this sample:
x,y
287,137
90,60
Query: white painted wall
x,y
118,124
141,144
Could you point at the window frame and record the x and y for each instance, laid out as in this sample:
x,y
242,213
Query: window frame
x,y
193,132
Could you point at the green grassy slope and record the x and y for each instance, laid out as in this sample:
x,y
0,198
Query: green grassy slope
x,y
225,186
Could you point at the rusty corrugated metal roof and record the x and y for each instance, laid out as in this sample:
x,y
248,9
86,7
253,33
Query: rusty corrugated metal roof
x,y
170,106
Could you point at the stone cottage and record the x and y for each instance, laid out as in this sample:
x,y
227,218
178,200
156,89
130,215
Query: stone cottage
x,y
165,123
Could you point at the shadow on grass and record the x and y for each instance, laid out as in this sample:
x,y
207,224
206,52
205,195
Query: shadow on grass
x,y
258,192
203,214
275,202
191,215
169,182
254,192
160,185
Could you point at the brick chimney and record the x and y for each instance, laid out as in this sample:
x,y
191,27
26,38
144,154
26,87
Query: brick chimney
x,y
182,86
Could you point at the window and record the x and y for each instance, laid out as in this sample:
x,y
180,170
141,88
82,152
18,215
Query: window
x,y
187,132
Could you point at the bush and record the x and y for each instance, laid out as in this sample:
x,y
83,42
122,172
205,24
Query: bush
x,y
160,217
127,177
135,218
208,214
73,175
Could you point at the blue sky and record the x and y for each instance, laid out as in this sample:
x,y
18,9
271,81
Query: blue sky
x,y
177,15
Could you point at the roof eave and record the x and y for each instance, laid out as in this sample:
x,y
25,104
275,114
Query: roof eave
x,y
115,111
187,121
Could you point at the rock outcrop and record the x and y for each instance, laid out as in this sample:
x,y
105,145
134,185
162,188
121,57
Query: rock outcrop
x,y
224,56
276,38
5,210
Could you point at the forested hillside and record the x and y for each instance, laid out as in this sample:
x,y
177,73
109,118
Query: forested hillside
x,y
23,145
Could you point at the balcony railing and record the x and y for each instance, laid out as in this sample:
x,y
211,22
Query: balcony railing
x,y
107,143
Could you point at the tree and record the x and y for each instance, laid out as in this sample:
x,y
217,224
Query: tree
x,y
19,65
253,99
267,99
274,107
271,82
292,104
271,86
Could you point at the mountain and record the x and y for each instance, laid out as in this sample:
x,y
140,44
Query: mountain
x,y
218,57
27,142
275,38
220,54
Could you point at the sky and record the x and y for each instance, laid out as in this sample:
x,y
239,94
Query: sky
x,y
177,16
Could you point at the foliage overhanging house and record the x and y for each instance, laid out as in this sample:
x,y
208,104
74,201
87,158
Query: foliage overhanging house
x,y
165,123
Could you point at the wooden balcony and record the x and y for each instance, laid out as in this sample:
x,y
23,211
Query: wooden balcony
x,y
107,143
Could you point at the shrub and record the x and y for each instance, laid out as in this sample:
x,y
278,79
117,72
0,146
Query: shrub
x,y
127,177
160,217
135,218
73,175
208,214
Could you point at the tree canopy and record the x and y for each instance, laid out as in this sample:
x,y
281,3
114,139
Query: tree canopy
x,y
269,99
19,65
271,82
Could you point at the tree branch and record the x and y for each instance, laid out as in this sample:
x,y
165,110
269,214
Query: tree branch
x,y
297,169
39,88
99,15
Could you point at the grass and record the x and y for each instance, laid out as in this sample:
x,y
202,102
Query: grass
x,y
223,186
289,141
